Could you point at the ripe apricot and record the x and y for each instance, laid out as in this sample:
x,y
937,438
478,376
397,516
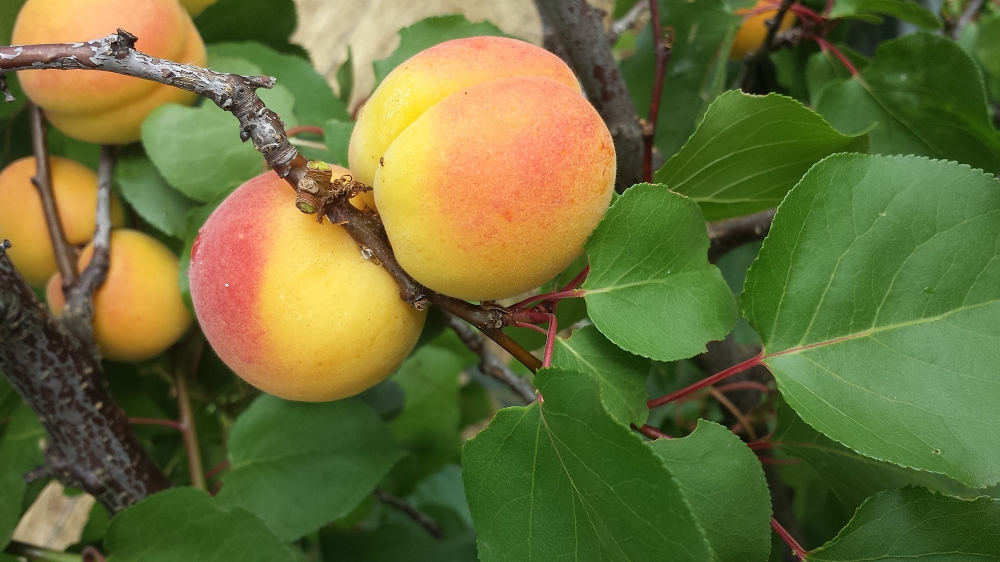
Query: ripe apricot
x,y
138,311
102,107
490,168
753,31
290,304
23,222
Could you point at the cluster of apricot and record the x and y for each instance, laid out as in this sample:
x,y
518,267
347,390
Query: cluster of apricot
x,y
138,312
489,170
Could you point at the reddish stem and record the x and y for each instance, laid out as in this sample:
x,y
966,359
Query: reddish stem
x,y
550,341
755,445
298,130
744,385
807,13
828,8
663,52
651,432
569,291
769,460
797,549
156,421
217,469
216,488
704,383
538,329
828,47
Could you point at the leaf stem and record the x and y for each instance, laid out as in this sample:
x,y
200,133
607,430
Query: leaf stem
x,y
34,553
796,548
188,430
156,421
651,432
425,521
663,43
728,405
709,381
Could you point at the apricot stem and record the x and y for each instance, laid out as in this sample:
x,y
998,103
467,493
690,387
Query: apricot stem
x,y
728,405
651,432
425,521
708,381
188,430
65,254
663,46
796,548
490,364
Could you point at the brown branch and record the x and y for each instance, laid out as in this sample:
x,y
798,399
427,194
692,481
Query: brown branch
x,y
662,45
490,364
65,254
425,521
188,430
580,30
754,80
91,444
732,233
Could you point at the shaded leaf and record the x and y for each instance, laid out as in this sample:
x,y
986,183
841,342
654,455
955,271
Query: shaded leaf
x,y
270,22
914,523
749,151
925,97
337,135
877,297
19,453
622,375
185,524
145,190
824,68
561,480
661,298
300,465
724,483
907,11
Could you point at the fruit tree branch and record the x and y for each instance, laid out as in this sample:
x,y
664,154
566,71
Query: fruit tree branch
x,y
65,255
627,21
90,444
732,233
490,364
580,31
425,521
753,80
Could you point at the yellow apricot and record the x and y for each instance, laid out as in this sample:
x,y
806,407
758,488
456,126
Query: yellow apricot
x,y
102,107
23,222
753,31
195,7
138,311
490,188
290,304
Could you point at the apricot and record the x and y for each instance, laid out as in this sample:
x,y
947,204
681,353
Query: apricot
x,y
23,222
290,304
490,167
138,311
752,31
102,107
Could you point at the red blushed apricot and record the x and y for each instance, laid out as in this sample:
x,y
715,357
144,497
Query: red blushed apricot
x,y
494,190
138,311
103,107
23,222
290,304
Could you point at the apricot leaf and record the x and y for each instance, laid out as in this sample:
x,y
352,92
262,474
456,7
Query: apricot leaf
x,y
186,524
877,297
562,478
724,483
850,476
749,151
270,22
925,97
651,290
914,523
301,465
704,31
870,10
19,453
145,190
622,375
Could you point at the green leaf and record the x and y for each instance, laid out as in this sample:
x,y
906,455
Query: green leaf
x,y
824,68
8,14
270,22
852,477
724,483
398,540
987,51
621,374
660,299
429,32
914,523
337,135
905,10
315,102
877,297
149,194
562,480
300,465
925,97
704,31
19,453
345,79
185,524
749,151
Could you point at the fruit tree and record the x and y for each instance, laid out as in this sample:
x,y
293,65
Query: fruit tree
x,y
637,280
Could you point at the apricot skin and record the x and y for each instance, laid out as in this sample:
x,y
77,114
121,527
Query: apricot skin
x,y
432,75
138,311
492,189
290,304
23,222
752,31
103,107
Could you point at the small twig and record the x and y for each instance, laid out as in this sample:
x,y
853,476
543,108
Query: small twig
x,y
627,21
707,382
425,521
732,233
663,47
188,430
7,96
753,81
651,432
34,553
796,548
157,421
91,554
217,469
970,12
773,25
490,364
728,405
65,254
